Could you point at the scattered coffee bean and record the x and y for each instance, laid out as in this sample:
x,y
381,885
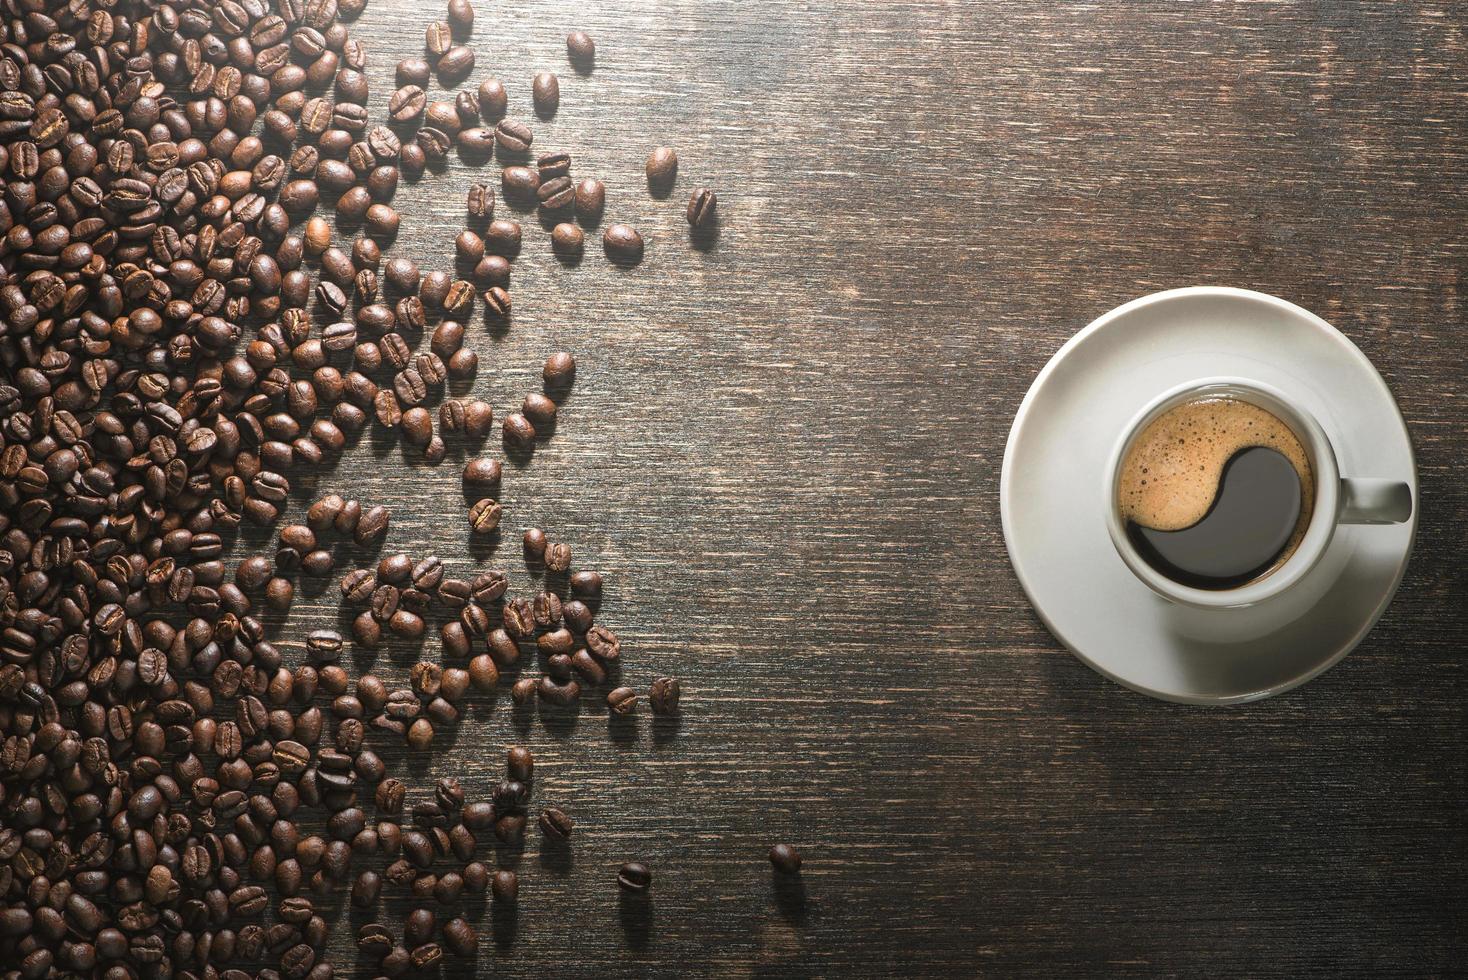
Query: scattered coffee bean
x,y
581,49
518,431
785,859
623,244
484,516
664,695
634,876
622,701
662,168
493,100
567,239
513,136
545,92
559,371
590,199
702,208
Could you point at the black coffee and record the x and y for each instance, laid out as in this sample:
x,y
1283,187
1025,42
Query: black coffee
x,y
1242,536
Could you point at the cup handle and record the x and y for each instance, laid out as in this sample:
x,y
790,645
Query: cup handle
x,y
1375,501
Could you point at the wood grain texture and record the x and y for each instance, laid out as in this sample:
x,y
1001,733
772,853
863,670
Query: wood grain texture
x,y
784,450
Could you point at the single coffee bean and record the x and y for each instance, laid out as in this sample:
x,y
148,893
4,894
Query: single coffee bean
x,y
556,194
553,165
484,516
702,208
520,764
478,418
785,859
519,183
545,93
587,584
412,71
588,668
558,557
559,371
481,201
518,431
634,876
504,887
539,409
555,824
664,695
622,701
458,935
502,238
476,143
461,16
513,136
535,541
622,243
567,239
437,38
662,168
581,49
483,674
457,62
496,302
482,473
590,198
493,99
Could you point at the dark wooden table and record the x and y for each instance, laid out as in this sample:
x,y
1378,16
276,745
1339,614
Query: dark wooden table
x,y
783,450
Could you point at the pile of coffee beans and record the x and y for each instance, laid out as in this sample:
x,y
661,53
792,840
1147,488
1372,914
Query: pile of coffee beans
x,y
181,334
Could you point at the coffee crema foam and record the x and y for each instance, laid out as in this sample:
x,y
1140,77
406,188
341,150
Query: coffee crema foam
x,y
1174,468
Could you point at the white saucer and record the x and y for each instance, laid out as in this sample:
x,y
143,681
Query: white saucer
x,y
1052,503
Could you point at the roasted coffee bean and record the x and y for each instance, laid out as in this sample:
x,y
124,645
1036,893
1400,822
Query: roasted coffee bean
x,y
502,238
476,143
519,433
634,876
622,701
496,302
785,859
559,371
545,93
567,240
373,525
540,410
588,668
493,99
519,183
603,642
458,935
558,557
553,165
484,516
586,584
703,207
505,887
562,693
664,695
555,824
662,168
511,135
482,473
591,199
580,49
457,62
481,201
622,244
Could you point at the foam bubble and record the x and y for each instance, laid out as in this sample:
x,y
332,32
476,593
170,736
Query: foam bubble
x,y
1173,469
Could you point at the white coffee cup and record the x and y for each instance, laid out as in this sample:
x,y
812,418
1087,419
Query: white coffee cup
x,y
1338,500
